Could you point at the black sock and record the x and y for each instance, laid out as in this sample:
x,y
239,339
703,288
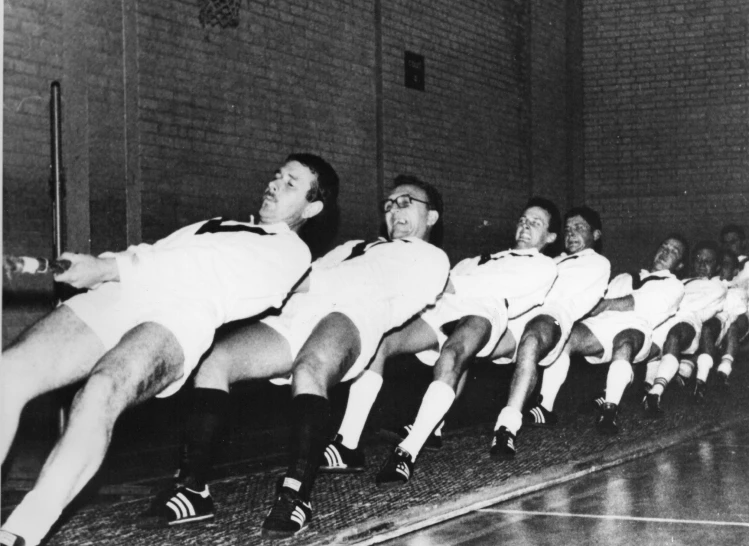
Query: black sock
x,y
205,419
310,416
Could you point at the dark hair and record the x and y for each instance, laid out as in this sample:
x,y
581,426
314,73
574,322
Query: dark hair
x,y
555,222
434,197
320,230
683,240
706,245
592,218
733,228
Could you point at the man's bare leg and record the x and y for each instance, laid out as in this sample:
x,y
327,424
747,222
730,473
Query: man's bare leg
x,y
731,345
57,351
147,359
679,337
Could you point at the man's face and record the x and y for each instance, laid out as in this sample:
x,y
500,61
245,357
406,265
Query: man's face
x,y
285,198
533,229
669,256
578,235
414,220
705,263
728,268
732,241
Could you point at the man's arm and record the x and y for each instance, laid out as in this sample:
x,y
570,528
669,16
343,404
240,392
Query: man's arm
x,y
624,303
87,271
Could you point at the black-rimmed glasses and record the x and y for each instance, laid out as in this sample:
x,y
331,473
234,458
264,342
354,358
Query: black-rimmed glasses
x,y
402,202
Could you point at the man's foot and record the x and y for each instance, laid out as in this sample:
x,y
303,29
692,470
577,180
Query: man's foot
x,y
652,404
680,381
160,499
700,390
503,444
180,505
721,380
539,416
9,539
396,471
341,460
289,515
608,423
397,435
592,406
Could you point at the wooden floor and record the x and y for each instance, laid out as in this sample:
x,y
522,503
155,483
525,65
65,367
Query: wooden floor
x,y
695,493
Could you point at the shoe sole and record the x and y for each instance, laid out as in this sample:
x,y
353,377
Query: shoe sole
x,y
342,469
152,522
393,438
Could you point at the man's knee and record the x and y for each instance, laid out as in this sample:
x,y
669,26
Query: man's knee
x,y
543,332
627,344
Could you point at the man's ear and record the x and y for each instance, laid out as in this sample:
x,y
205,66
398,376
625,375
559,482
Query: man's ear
x,y
432,217
550,238
312,209
596,234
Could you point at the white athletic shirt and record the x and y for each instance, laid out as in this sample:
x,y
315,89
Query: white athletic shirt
x,y
523,277
405,274
703,298
581,282
737,299
656,298
240,268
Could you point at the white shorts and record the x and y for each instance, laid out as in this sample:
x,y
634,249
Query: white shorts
x,y
111,311
303,312
661,332
607,325
451,308
517,326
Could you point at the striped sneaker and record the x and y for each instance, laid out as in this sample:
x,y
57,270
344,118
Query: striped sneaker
x,y
186,505
503,444
592,406
608,421
289,515
397,470
539,416
341,460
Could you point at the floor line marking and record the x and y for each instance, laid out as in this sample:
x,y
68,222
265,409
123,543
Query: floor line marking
x,y
628,518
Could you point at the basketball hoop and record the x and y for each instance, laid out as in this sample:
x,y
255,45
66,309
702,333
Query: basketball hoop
x,y
224,13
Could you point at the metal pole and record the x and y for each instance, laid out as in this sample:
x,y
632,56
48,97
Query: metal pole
x,y
57,192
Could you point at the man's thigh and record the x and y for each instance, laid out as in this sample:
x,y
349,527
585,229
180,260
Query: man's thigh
x,y
247,351
584,342
146,361
57,351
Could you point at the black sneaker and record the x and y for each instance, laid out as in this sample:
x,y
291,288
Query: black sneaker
x,y
607,423
592,406
180,505
10,539
539,416
159,500
341,460
396,471
721,380
503,444
700,390
652,405
289,515
397,435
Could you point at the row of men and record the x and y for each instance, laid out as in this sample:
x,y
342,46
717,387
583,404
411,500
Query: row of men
x,y
151,312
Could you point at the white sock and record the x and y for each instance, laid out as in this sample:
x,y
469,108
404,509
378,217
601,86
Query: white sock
x,y
361,398
666,372
553,379
510,418
435,404
652,371
618,379
686,368
33,518
704,365
726,365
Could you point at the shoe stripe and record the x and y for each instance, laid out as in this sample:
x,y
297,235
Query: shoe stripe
x,y
402,469
538,416
177,507
187,504
333,457
298,516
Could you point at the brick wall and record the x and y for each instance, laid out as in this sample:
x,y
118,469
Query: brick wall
x,y
665,120
167,123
